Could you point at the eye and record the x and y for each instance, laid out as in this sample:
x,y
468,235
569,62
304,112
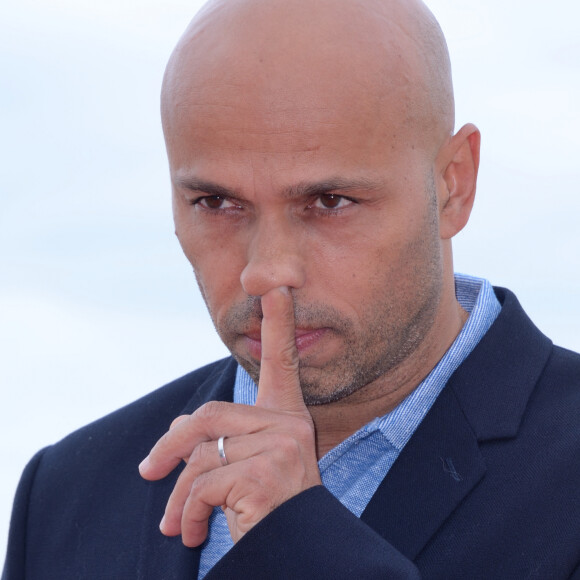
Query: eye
x,y
331,201
214,202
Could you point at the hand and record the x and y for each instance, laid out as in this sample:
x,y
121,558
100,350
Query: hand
x,y
270,447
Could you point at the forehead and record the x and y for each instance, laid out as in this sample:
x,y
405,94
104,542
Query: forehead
x,y
298,92
267,116
273,145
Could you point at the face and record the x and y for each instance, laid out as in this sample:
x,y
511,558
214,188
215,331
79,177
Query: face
x,y
336,202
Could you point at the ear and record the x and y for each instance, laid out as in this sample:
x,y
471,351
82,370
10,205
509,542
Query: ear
x,y
457,165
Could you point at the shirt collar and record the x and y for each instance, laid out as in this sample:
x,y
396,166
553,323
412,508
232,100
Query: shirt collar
x,y
476,296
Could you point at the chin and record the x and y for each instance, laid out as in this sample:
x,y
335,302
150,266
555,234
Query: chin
x,y
317,392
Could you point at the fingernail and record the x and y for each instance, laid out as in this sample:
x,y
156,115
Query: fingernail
x,y
284,290
162,523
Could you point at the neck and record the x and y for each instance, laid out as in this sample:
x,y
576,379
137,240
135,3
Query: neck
x,y
335,422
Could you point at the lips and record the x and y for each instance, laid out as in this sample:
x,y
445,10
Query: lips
x,y
305,338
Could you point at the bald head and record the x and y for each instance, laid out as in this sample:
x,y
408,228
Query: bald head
x,y
310,146
386,59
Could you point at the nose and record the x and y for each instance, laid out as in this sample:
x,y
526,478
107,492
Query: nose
x,y
274,258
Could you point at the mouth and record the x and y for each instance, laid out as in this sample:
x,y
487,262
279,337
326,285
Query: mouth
x,y
306,339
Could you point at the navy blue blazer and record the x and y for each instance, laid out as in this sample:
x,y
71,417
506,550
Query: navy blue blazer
x,y
488,487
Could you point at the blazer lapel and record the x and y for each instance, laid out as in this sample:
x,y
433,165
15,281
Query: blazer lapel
x,y
484,400
164,558
437,468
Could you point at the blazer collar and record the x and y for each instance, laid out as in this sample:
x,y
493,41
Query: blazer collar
x,y
165,558
495,382
484,399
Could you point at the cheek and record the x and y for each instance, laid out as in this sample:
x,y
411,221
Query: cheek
x,y
385,259
217,262
218,271
203,244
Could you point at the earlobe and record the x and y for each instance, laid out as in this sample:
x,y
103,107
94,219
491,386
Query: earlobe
x,y
458,164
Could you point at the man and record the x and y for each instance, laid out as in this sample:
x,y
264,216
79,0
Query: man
x,y
317,183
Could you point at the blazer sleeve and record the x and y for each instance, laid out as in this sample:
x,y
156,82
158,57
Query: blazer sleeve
x,y
14,566
313,536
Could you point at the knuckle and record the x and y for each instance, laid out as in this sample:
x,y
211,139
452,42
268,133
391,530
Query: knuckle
x,y
198,454
287,445
289,357
304,429
198,485
164,446
178,420
209,411
285,357
259,465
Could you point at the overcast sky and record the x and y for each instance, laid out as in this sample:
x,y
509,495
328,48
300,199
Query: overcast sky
x,y
97,304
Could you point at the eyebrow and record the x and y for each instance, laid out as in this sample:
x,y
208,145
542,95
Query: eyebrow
x,y
326,186
303,189
194,184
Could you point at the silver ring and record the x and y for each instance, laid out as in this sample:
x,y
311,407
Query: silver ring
x,y
222,451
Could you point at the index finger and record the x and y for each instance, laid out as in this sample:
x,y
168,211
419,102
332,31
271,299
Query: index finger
x,y
279,384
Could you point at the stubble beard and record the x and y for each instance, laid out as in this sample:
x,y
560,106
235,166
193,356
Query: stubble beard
x,y
388,333
381,345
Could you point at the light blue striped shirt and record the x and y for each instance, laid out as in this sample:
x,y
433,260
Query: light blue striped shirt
x,y
354,469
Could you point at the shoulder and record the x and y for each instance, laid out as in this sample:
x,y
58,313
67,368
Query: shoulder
x,y
563,365
516,373
85,491
556,398
133,429
551,369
